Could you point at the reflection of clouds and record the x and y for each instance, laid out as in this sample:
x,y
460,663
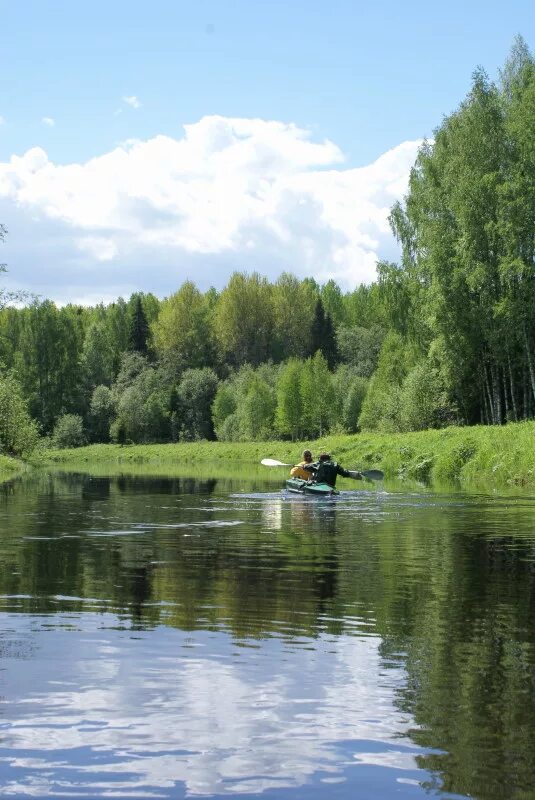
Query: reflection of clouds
x,y
272,514
116,713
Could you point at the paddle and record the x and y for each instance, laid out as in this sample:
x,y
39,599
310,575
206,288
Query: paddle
x,y
369,474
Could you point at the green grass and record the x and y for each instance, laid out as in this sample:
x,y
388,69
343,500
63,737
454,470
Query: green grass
x,y
477,456
10,467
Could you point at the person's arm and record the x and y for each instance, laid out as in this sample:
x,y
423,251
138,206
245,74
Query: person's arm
x,y
349,473
311,467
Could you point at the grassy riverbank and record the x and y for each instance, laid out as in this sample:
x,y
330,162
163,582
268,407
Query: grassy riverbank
x,y
485,456
10,467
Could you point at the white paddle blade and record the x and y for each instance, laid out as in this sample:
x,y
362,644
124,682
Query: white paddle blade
x,y
272,462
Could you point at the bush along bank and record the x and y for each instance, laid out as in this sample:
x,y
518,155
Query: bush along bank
x,y
471,456
10,468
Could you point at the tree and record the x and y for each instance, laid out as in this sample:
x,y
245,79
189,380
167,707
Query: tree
x,y
322,336
293,308
223,406
182,330
289,411
381,405
318,396
142,397
360,347
350,390
68,431
333,302
98,357
138,333
244,320
18,431
48,362
102,412
256,411
195,396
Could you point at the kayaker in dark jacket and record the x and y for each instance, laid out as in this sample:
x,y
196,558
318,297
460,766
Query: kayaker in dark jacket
x,y
326,470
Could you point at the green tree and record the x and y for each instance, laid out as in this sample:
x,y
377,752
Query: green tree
x,y
182,331
318,396
333,302
68,431
195,395
289,410
322,335
48,362
142,396
381,405
360,347
138,333
18,431
256,411
224,406
244,320
102,412
98,357
293,309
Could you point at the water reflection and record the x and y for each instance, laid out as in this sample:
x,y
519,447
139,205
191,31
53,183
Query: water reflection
x,y
169,636
151,712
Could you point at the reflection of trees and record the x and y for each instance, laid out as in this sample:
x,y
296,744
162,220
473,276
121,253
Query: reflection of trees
x,y
450,595
470,656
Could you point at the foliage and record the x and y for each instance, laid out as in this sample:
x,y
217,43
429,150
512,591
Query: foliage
x,y
138,334
244,319
102,412
68,431
18,431
142,397
182,331
360,347
381,406
195,396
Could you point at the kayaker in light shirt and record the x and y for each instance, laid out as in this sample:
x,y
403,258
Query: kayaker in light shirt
x,y
325,470
299,470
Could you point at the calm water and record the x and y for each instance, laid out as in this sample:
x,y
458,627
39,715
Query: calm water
x,y
173,637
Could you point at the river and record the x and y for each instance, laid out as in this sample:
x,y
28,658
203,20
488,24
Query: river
x,y
170,637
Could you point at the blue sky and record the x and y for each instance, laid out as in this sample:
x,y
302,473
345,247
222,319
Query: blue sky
x,y
364,76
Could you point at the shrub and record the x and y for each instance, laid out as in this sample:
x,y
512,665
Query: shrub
x,y
68,431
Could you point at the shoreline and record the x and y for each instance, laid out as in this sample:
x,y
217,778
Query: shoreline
x,y
11,468
490,456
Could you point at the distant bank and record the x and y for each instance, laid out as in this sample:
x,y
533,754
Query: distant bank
x,y
489,456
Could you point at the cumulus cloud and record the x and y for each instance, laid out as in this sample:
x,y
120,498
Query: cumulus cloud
x,y
132,101
229,194
49,121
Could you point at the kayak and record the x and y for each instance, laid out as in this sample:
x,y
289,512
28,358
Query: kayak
x,y
300,486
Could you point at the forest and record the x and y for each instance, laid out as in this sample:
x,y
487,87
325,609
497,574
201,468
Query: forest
x,y
446,336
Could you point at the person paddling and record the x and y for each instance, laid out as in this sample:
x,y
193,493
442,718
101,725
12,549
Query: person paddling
x,y
300,471
325,470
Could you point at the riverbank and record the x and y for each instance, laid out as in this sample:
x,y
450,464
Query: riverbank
x,y
484,456
10,468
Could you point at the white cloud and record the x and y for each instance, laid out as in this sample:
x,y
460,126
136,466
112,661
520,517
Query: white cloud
x,y
2,120
132,101
229,194
48,121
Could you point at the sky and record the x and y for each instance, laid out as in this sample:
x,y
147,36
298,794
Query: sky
x,y
143,144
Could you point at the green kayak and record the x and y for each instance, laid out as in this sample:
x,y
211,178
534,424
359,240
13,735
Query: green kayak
x,y
300,486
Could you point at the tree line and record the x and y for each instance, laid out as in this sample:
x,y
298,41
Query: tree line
x,y
445,336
